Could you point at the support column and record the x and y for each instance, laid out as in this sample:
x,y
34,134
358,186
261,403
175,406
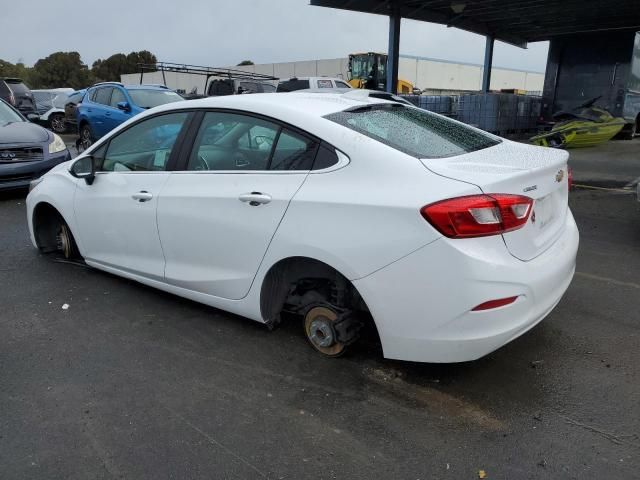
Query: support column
x,y
488,62
394,48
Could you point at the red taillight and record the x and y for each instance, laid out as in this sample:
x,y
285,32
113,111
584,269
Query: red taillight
x,y
478,215
501,302
570,177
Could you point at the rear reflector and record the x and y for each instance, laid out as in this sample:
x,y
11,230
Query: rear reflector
x,y
478,215
570,177
494,304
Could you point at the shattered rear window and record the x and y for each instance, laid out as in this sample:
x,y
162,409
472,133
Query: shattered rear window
x,y
416,132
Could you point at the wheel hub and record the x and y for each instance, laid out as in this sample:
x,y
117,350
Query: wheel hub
x,y
321,333
318,327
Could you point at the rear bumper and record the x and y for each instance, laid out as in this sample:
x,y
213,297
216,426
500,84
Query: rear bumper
x,y
422,303
20,174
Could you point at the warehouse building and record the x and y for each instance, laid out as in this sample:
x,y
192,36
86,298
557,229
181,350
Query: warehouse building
x,y
428,74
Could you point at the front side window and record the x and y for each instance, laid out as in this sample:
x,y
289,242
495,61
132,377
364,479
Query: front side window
x,y
340,84
144,147
413,131
230,141
116,97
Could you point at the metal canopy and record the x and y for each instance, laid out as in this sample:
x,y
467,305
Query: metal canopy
x,y
512,21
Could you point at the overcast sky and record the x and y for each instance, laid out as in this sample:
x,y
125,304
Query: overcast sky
x,y
224,32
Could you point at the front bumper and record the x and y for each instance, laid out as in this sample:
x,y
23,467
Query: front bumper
x,y
20,174
422,303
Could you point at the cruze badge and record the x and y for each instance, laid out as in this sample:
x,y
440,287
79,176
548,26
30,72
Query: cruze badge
x,y
559,176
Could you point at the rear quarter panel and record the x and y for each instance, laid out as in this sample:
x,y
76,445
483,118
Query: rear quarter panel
x,y
365,215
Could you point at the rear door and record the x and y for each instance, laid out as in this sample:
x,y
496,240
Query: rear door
x,y
217,215
97,110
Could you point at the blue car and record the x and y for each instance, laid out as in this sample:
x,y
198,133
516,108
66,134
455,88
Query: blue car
x,y
107,105
26,150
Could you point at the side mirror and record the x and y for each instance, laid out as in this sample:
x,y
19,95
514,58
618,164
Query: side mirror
x,y
124,106
84,167
33,117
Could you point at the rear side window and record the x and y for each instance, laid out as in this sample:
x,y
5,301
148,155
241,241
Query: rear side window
x,y
325,158
325,84
293,152
293,85
413,131
103,96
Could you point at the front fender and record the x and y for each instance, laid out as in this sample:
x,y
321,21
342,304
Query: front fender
x,y
57,188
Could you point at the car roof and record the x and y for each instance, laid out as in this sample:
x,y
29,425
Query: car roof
x,y
299,102
311,78
147,87
134,86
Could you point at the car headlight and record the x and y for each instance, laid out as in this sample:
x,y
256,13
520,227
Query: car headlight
x,y
57,144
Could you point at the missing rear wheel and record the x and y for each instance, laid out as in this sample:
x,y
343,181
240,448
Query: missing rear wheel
x,y
319,323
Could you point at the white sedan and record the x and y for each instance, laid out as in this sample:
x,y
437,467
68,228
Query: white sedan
x,y
341,209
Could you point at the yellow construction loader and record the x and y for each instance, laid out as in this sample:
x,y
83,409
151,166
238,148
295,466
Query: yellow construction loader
x,y
369,70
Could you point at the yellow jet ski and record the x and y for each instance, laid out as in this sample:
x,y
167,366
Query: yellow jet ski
x,y
587,127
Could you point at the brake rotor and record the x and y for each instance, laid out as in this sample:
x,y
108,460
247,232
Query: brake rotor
x,y
64,241
318,327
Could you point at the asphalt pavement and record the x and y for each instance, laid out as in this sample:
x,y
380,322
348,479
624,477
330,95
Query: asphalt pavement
x,y
130,382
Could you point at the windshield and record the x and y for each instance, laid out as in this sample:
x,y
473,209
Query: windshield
x,y
413,131
8,115
361,66
60,100
17,86
153,98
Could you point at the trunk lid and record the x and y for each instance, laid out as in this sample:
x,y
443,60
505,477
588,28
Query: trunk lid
x,y
536,172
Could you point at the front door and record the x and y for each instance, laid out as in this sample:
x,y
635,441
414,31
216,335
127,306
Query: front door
x,y
218,215
113,116
116,215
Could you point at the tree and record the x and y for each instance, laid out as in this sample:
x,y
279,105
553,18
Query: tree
x,y
19,70
245,62
61,69
110,69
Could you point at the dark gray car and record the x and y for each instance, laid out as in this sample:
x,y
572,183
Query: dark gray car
x,y
16,93
26,150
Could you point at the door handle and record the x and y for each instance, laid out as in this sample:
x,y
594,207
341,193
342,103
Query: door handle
x,y
255,198
142,196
